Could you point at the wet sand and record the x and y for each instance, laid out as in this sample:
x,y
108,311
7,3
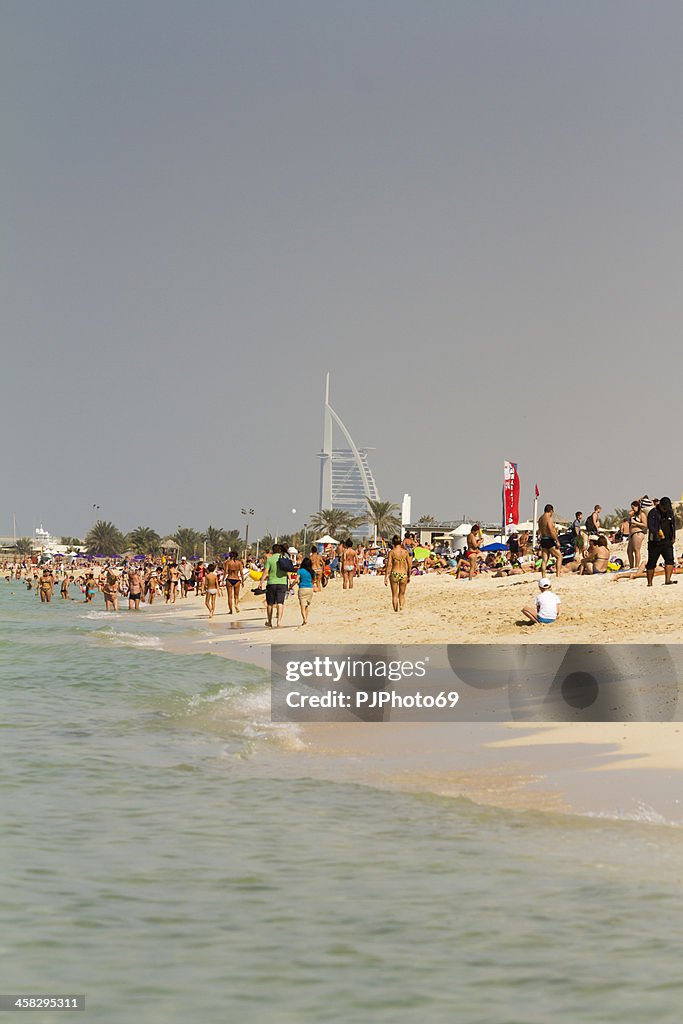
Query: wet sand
x,y
628,770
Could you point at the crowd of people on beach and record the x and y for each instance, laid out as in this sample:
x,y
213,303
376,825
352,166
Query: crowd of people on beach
x,y
585,548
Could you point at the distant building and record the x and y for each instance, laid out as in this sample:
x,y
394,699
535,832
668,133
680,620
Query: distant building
x,y
346,480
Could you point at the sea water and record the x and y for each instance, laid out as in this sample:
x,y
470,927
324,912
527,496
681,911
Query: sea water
x,y
165,853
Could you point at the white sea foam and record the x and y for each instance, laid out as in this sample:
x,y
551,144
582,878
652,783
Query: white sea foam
x,y
249,709
642,812
122,639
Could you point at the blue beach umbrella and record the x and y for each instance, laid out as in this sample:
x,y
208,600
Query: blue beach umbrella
x,y
496,546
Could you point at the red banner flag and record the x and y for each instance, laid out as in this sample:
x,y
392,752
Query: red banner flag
x,y
510,494
537,491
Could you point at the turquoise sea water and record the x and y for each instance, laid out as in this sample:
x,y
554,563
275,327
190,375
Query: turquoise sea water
x,y
162,853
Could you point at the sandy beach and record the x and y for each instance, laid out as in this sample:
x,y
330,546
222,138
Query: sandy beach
x,y
630,770
441,609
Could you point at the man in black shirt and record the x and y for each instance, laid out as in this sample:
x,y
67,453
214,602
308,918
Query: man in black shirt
x,y
661,534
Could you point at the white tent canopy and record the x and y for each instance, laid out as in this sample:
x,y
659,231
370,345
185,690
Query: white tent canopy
x,y
326,540
528,525
461,531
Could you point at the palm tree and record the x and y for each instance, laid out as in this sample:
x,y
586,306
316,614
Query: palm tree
x,y
23,546
335,521
104,539
617,518
188,540
383,516
144,540
216,542
233,540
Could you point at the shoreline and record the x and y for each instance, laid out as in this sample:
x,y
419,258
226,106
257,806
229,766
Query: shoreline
x,y
615,769
619,770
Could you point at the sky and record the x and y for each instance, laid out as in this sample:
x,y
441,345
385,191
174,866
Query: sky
x,y
469,213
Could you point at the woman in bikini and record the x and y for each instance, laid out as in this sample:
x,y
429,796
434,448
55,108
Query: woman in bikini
x,y
233,580
152,584
637,528
349,562
210,589
595,562
111,592
397,573
318,563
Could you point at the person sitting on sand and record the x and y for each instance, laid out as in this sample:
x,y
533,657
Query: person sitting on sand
x,y
513,567
595,562
547,606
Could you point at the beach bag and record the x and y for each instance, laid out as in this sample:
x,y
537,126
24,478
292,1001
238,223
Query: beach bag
x,y
285,565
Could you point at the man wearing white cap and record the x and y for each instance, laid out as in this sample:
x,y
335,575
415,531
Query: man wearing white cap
x,y
547,604
186,573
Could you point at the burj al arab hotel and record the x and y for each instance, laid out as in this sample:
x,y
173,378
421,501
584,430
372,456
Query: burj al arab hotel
x,y
346,479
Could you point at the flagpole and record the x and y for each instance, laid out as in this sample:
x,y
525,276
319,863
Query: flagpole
x,y
533,537
502,529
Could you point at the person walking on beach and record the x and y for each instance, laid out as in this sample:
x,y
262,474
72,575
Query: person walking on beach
x,y
547,604
305,578
233,572
349,563
318,563
210,589
397,573
276,585
550,542
661,534
185,573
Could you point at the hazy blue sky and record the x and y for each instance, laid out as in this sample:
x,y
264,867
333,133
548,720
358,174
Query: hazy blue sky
x,y
469,212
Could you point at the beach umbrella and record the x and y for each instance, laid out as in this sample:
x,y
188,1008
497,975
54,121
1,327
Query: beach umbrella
x,y
496,546
326,540
292,551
